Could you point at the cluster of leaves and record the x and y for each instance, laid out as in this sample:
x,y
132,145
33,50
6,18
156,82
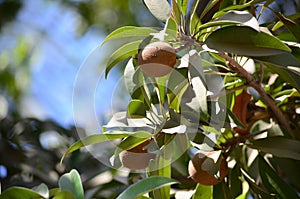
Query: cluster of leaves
x,y
69,187
257,125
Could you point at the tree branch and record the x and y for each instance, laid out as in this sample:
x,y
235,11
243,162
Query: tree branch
x,y
236,67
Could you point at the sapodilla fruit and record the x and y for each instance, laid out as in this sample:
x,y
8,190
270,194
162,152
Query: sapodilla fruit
x,y
157,59
203,177
136,158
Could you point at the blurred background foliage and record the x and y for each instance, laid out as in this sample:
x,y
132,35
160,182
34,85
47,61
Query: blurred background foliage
x,y
32,141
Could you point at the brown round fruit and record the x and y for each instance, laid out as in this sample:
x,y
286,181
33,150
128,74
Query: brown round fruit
x,y
202,176
136,158
157,59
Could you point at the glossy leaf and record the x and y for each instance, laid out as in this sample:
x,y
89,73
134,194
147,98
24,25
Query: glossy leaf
x,y
176,13
292,26
273,182
183,5
203,192
146,185
122,53
94,139
243,40
282,59
134,140
278,146
129,72
72,182
136,109
65,194
42,189
288,75
129,31
159,8
20,192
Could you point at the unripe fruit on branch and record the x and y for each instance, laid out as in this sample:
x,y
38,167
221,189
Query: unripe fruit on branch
x,y
157,59
199,172
136,158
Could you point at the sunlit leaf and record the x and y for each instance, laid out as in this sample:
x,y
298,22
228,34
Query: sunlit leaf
x,y
203,192
64,194
20,192
273,182
292,26
122,53
176,13
183,5
278,146
130,31
72,182
136,109
243,40
134,140
42,189
159,8
146,185
94,139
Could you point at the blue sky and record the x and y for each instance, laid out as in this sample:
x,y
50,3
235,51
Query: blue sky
x,y
59,53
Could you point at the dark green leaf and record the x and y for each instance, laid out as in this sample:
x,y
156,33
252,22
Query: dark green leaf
x,y
20,192
257,189
136,109
243,40
159,8
278,146
146,185
282,59
122,53
221,191
289,75
292,26
235,181
130,31
273,182
72,182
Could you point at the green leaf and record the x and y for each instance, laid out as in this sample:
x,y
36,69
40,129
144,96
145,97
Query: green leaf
x,y
282,59
183,5
42,189
292,26
288,75
203,192
134,140
20,192
64,195
273,182
94,139
129,31
122,53
136,109
255,188
146,185
72,182
221,191
278,146
243,40
176,13
159,8
235,181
